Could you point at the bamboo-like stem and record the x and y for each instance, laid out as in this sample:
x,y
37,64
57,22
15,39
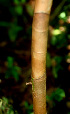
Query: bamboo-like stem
x,y
39,50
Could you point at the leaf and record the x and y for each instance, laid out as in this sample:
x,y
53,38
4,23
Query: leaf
x,y
29,9
15,74
61,40
13,32
54,40
26,104
54,72
23,1
30,107
18,69
48,98
56,32
16,2
5,100
19,1
10,62
58,94
32,113
69,36
19,10
48,60
58,59
0,103
10,111
62,15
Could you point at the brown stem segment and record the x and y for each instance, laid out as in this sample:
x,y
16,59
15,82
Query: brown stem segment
x,y
39,95
39,50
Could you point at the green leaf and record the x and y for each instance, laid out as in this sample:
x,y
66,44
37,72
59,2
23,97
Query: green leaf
x,y
32,113
10,62
5,100
48,61
30,107
58,59
10,111
18,69
0,103
13,32
29,10
56,32
61,40
62,15
58,94
19,10
15,74
23,1
48,98
53,40
26,104
69,36
54,71
17,2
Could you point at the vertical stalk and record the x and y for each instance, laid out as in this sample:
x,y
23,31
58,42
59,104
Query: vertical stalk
x,y
39,50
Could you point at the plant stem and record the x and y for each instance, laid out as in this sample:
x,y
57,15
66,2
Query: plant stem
x,y
39,50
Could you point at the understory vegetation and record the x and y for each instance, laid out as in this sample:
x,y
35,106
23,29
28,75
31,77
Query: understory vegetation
x,y
15,57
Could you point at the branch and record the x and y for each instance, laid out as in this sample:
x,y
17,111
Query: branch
x,y
57,10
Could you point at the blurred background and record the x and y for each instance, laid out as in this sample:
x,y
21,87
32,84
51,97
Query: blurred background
x,y
15,57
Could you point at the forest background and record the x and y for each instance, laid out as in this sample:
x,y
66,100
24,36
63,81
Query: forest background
x,y
16,18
